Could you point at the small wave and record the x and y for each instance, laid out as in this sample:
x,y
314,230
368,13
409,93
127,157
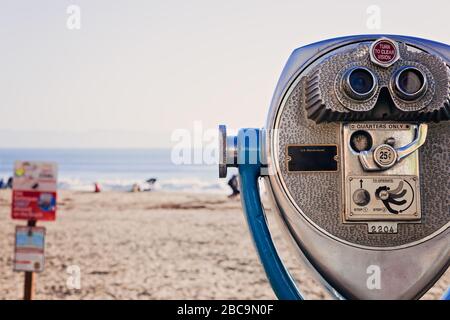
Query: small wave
x,y
178,185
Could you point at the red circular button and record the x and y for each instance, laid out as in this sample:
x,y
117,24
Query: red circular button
x,y
384,51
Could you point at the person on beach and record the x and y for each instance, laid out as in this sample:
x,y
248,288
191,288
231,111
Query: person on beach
x,y
138,188
9,183
234,185
151,183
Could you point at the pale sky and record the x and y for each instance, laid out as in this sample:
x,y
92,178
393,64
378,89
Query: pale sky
x,y
137,70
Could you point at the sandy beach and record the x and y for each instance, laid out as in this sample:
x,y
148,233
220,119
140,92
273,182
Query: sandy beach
x,y
150,245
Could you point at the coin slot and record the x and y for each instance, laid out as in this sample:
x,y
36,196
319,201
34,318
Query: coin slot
x,y
361,141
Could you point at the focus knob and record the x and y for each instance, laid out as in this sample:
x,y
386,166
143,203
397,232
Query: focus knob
x,y
227,151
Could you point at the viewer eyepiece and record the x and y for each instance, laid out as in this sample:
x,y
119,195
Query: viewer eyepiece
x,y
410,83
360,83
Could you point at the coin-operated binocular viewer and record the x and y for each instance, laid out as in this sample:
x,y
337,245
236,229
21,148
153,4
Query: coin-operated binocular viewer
x,y
355,156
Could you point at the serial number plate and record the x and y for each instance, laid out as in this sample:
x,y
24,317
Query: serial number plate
x,y
382,227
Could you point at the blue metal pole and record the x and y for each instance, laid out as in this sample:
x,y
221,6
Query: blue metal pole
x,y
249,171
446,295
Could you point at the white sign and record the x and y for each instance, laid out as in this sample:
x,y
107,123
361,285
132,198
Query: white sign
x,y
29,249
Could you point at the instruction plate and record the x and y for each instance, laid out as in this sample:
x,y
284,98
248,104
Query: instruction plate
x,y
382,198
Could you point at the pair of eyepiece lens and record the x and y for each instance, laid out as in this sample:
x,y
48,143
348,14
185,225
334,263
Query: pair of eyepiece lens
x,y
360,83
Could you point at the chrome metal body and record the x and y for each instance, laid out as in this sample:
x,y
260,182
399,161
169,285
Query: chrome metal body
x,y
344,264
342,252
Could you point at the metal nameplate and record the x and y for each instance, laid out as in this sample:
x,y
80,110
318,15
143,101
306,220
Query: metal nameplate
x,y
312,158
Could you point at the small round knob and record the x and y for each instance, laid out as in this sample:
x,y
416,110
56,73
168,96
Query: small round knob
x,y
222,151
227,151
390,141
361,197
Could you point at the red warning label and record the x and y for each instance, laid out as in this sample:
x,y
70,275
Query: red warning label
x,y
384,51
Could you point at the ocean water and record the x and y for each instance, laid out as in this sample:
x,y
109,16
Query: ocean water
x,y
118,169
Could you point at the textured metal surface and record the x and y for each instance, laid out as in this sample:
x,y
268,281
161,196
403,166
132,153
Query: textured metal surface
x,y
435,175
326,101
319,195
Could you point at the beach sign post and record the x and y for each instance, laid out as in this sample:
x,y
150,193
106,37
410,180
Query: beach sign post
x,y
29,249
33,198
29,255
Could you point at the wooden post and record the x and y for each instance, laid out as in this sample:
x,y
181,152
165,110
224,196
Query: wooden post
x,y
29,285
